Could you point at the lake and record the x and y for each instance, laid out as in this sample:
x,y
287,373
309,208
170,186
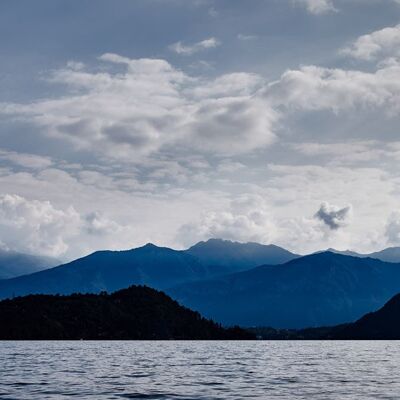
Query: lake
x,y
200,370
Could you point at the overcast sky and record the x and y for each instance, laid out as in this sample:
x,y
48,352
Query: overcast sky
x,y
172,121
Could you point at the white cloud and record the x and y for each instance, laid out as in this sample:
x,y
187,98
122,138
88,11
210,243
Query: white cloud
x,y
247,218
188,50
152,106
317,88
253,218
317,7
381,43
38,227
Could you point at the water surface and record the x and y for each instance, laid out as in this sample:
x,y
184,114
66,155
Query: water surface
x,y
199,370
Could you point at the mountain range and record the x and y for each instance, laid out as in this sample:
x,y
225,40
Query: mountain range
x,y
390,254
157,267
315,290
224,281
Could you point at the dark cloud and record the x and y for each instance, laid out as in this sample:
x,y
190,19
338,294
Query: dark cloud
x,y
333,216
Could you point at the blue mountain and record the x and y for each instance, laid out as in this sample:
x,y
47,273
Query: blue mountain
x,y
157,267
14,264
226,256
149,265
390,254
316,290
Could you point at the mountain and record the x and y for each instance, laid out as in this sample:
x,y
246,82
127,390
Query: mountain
x,y
133,313
14,264
157,267
391,254
226,256
316,290
383,324
344,253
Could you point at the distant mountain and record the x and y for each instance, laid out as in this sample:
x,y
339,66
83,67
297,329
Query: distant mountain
x,y
316,290
391,254
383,324
344,253
228,257
157,267
14,264
133,313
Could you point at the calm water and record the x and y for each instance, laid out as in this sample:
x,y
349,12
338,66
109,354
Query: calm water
x,y
199,370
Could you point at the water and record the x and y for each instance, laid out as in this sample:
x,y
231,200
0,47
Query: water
x,y
199,370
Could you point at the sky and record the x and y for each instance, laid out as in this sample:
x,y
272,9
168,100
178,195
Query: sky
x,y
173,121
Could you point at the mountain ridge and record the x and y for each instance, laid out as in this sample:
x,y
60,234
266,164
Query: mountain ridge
x,y
106,270
315,290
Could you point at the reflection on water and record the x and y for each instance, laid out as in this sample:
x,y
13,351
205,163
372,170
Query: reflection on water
x,y
199,370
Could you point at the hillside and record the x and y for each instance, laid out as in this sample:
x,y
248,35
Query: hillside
x,y
134,313
317,290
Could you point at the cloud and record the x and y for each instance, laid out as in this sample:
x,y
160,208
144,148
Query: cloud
x,y
333,216
151,106
392,229
246,219
25,160
38,227
317,7
188,50
383,42
315,88
253,218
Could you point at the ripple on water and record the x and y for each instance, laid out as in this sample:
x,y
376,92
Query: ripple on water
x,y
199,370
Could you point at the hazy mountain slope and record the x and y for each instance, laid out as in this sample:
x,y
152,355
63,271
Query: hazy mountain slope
x,y
228,257
391,254
110,270
133,313
381,324
14,264
316,290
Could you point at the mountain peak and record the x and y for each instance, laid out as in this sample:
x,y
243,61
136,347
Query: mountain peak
x,y
149,246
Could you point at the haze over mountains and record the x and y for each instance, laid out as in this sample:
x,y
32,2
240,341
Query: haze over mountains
x,y
383,324
315,290
14,264
224,280
391,254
